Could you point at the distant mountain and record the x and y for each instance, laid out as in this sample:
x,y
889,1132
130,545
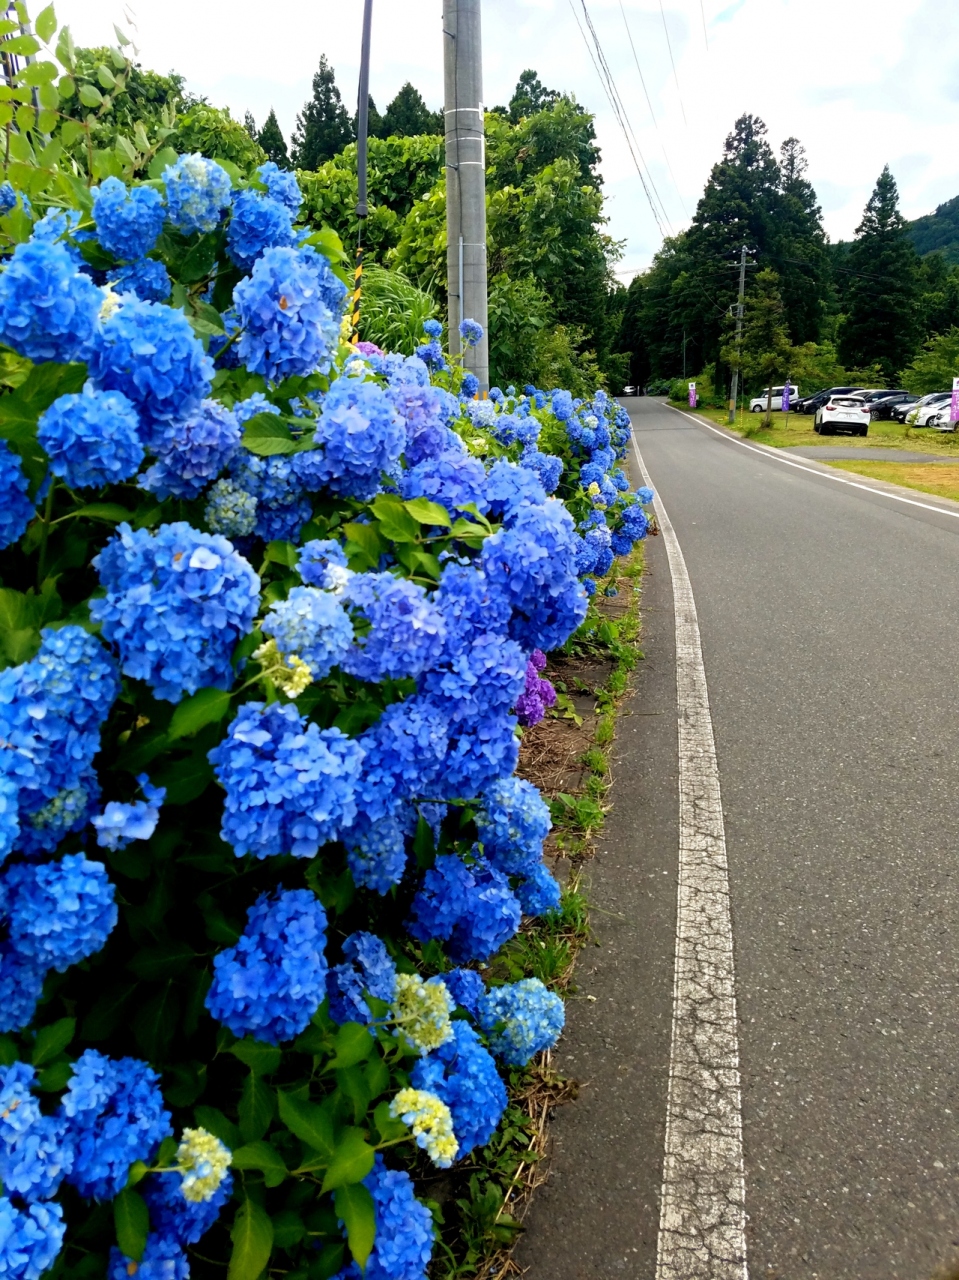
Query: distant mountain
x,y
938,231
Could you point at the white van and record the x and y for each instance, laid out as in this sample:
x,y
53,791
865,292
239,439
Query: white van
x,y
758,403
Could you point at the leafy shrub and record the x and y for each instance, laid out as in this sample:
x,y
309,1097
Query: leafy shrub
x,y
393,310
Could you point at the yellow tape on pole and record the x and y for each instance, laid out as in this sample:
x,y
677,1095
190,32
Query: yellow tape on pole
x,y
357,294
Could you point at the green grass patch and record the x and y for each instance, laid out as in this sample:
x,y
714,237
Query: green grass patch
x,y
938,478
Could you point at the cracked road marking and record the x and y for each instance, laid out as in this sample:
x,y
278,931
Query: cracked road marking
x,y
702,1225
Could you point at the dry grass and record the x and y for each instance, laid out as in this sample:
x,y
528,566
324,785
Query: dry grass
x,y
938,478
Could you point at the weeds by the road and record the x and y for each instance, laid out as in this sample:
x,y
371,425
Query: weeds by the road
x,y
938,478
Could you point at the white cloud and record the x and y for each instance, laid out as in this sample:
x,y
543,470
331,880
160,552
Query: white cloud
x,y
854,80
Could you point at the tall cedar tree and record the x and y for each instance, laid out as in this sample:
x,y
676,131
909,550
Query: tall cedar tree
x,y
374,121
530,96
881,325
249,124
273,143
798,247
408,116
323,127
766,350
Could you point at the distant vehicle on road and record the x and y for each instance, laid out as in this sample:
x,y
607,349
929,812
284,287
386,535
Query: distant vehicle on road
x,y
758,403
809,404
842,413
629,391
927,408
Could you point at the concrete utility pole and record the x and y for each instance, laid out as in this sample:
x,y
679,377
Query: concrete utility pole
x,y
734,390
465,179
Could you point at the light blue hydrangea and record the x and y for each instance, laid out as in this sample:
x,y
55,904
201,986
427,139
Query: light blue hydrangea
x,y
463,1075
30,1238
258,223
290,786
561,404
120,823
420,408
470,606
16,509
322,563
34,1151
21,984
472,909
148,279
58,913
512,823
360,436
376,852
481,678
281,185
471,332
521,1019
128,222
432,328
509,486
92,439
539,891
163,1259
404,753
313,625
175,1218
272,982
48,310
177,601
480,748
547,467
230,510
404,1229
281,509
197,192
466,987
115,1115
405,629
454,480
193,452
469,386
151,354
288,328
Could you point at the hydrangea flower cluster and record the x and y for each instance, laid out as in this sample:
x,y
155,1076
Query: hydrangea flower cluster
x,y
431,1123
521,1019
92,439
538,695
49,310
404,1229
421,1011
367,969
472,908
360,436
147,279
128,223
16,509
258,223
463,1075
193,452
197,192
272,982
57,913
282,186
120,823
404,628
288,327
311,625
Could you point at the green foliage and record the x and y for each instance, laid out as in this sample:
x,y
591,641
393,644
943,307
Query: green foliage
x,y
393,310
934,368
530,97
323,126
937,232
408,116
765,353
271,141
214,133
519,313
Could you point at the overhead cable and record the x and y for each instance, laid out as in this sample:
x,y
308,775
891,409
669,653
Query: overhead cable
x,y
669,46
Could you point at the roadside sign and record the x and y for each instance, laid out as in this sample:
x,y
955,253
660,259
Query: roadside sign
x,y
787,391
954,407
692,395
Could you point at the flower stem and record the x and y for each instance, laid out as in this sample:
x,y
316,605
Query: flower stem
x,y
47,522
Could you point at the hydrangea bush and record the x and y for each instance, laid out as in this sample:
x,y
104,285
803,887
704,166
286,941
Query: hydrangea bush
x,y
274,610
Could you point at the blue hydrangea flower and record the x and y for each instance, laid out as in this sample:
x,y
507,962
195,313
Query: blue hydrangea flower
x,y
34,1150
272,982
509,486
258,223
197,191
359,435
645,496
148,279
74,675
405,627
193,452
21,985
175,1218
59,226
281,510
404,752
230,510
368,969
92,439
469,386
314,626
16,509
281,185
48,310
420,407
128,223
322,563
470,606
290,786
466,987
115,1115
151,354
432,328
521,1019
30,1238
539,891
512,824
8,197
480,678
376,852
480,749
561,404
288,328
547,466
58,913
471,332
121,823
471,908
404,1229
431,353
462,1074
453,479
163,1259
177,601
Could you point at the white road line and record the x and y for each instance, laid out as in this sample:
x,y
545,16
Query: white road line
x,y
824,475
702,1226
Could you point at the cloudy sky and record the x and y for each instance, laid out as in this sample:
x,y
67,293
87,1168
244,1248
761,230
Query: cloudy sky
x,y
861,83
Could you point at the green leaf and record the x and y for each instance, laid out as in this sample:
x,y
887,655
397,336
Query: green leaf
x,y
264,1158
353,1043
66,51
106,77
427,512
252,1236
257,1108
104,1017
367,541
354,1205
261,1058
199,261
309,1123
8,1051
394,520
387,1126
162,161
164,961
351,1081
206,706
132,1222
212,1119
266,434
466,529
155,1025
54,1078
288,1228
52,1040
352,1160
90,95
110,511
283,553
46,23
125,149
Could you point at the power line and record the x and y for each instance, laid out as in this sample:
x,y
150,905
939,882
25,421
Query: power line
x,y
669,46
702,13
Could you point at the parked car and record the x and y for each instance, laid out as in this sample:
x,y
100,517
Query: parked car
x,y
943,420
885,406
809,404
872,394
842,413
758,403
902,411
927,408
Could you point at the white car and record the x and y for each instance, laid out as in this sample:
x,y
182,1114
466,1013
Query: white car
x,y
927,409
758,403
943,420
842,413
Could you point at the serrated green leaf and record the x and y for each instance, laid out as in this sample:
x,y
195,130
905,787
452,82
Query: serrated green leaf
x,y
46,23
52,1040
252,1236
309,1123
266,435
162,161
354,1206
257,1108
206,706
132,1222
352,1160
352,1043
394,520
90,95
427,512
212,1119
264,1158
261,1058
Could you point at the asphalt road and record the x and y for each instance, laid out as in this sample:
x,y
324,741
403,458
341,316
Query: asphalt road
x,y
829,627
